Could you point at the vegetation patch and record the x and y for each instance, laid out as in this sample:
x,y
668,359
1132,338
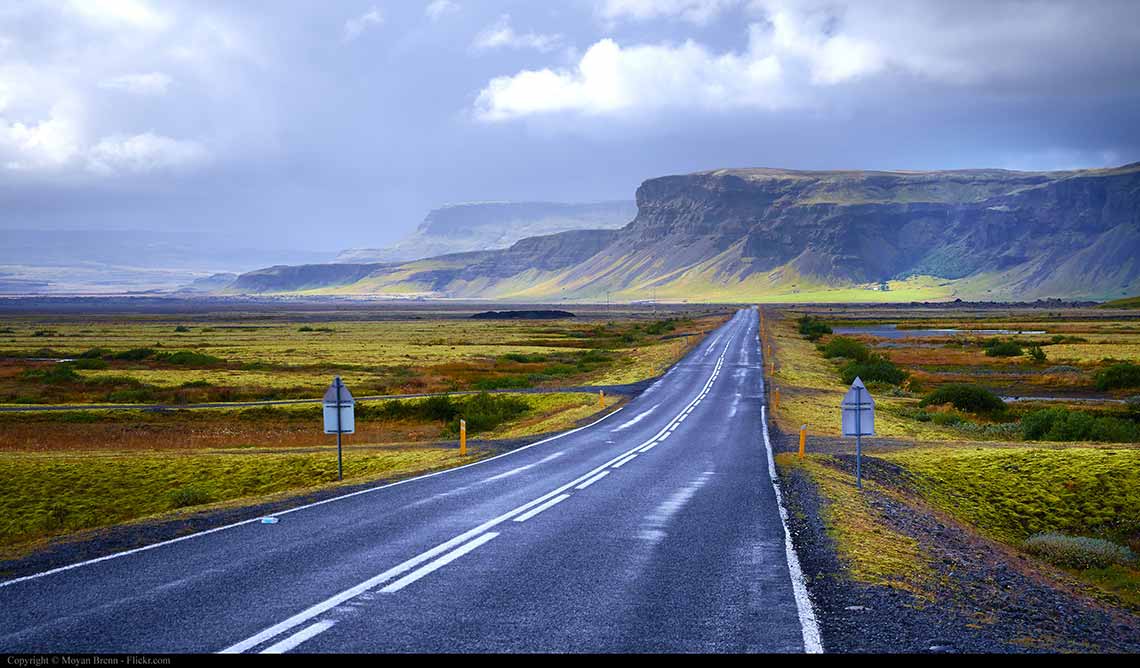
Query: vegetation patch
x,y
868,547
1063,424
1117,376
812,328
969,398
1078,552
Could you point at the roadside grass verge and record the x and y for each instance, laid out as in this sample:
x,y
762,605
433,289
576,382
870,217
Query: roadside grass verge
x,y
44,496
1011,494
869,549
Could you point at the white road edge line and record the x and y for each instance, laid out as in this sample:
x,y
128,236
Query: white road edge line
x,y
812,642
332,602
549,504
438,563
369,490
299,637
593,480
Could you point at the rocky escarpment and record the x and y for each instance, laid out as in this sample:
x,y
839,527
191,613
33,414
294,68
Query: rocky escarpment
x,y
479,226
752,233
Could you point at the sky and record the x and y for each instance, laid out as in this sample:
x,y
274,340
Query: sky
x,y
339,124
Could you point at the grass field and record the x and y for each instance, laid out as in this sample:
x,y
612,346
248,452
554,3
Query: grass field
x,y
146,359
65,472
977,467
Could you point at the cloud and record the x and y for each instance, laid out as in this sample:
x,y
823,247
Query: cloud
x,y
502,35
355,27
437,9
49,143
143,153
135,14
150,83
610,79
809,53
693,11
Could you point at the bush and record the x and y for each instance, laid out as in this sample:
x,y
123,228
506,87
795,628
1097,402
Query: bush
x,y
874,369
969,398
523,358
1036,353
946,419
189,358
1116,376
813,328
660,327
841,346
1003,349
134,354
484,412
87,363
187,496
55,374
181,329
1062,424
94,353
1078,551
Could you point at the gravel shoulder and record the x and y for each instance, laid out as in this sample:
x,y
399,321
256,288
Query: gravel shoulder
x,y
987,597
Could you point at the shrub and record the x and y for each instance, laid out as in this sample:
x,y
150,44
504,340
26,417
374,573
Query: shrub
x,y
660,327
946,419
187,496
134,354
523,358
1078,551
969,398
874,369
841,346
1003,349
1062,424
484,412
813,328
89,363
189,358
54,375
181,328
1036,353
1116,376
1061,338
94,353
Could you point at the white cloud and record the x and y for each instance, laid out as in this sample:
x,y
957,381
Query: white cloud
x,y
355,27
808,53
143,153
149,83
502,35
693,11
136,14
437,9
49,143
610,79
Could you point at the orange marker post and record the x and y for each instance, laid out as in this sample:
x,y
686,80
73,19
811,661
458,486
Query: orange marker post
x,y
803,439
463,438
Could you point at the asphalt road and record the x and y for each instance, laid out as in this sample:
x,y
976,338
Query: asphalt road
x,y
654,529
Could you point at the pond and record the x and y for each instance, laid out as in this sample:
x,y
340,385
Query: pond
x,y
893,332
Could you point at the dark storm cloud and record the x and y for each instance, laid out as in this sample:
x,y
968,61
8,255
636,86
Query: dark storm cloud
x,y
334,126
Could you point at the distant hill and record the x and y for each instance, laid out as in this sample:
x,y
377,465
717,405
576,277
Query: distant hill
x,y
1127,302
479,226
756,234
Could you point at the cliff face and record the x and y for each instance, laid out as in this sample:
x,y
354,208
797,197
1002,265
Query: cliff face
x,y
479,226
756,233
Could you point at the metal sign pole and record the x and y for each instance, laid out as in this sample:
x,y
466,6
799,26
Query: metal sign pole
x,y
339,429
858,438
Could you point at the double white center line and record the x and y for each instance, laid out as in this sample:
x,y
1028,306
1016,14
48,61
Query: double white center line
x,y
439,556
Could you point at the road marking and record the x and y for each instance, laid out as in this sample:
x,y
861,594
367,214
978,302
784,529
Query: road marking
x,y
808,624
651,446
307,506
399,569
438,563
635,420
549,504
299,637
593,480
516,471
624,461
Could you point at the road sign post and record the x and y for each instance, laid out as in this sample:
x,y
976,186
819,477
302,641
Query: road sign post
x,y
340,418
858,413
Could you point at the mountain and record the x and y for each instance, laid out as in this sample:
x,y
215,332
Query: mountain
x,y
756,234
480,226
